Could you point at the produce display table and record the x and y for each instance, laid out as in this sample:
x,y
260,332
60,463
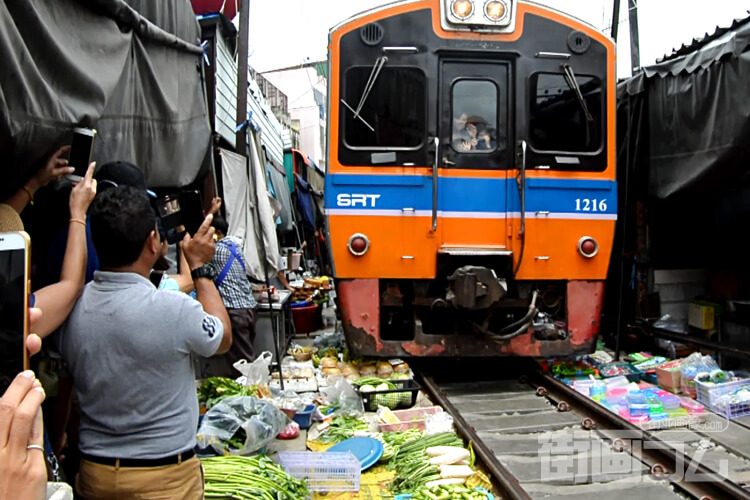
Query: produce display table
x,y
264,340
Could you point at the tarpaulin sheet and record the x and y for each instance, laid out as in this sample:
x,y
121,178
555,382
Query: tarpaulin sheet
x,y
304,198
132,70
278,181
684,156
698,121
242,214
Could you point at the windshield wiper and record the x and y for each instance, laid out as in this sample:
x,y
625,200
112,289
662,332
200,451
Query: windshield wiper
x,y
570,78
379,63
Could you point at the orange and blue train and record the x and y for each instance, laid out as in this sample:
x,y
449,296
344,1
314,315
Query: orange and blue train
x,y
471,195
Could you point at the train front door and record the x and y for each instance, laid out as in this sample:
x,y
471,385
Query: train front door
x,y
474,157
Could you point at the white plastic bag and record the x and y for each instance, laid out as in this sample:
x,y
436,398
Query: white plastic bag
x,y
259,419
438,422
343,396
257,372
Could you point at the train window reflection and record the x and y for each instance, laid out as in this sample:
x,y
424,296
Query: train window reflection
x,y
474,116
392,114
558,120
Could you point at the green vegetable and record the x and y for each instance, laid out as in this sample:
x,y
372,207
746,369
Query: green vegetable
x,y
411,463
245,478
342,428
214,389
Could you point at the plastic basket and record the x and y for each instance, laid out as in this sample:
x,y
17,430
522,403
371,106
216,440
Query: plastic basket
x,y
718,398
403,396
304,418
331,471
410,419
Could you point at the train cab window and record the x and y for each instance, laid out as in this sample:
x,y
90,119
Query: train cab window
x,y
561,119
474,116
393,113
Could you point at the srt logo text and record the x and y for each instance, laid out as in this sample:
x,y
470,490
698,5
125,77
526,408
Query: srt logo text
x,y
356,200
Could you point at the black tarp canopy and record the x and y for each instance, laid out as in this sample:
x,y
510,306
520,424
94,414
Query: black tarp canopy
x,y
131,69
684,149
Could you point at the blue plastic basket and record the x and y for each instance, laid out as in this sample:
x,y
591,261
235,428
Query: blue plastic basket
x,y
304,418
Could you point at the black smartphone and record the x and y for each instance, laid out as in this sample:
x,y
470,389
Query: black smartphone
x,y
157,277
180,213
14,305
81,152
192,209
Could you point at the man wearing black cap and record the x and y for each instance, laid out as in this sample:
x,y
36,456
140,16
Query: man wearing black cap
x,y
121,173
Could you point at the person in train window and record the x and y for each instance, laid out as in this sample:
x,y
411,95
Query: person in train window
x,y
460,133
486,138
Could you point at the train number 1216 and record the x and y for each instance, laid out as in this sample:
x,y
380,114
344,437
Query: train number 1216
x,y
590,205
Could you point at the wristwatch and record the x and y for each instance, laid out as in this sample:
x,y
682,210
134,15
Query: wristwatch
x,y
206,271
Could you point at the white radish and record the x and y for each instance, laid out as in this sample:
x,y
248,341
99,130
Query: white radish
x,y
462,462
463,471
445,482
436,451
451,457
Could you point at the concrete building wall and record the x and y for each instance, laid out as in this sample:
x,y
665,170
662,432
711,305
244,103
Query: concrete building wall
x,y
306,92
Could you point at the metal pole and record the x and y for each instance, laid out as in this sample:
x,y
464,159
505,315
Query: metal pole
x,y
615,20
635,44
242,67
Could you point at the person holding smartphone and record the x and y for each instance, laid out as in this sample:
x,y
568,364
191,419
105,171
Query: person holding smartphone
x,y
22,466
128,347
58,299
54,169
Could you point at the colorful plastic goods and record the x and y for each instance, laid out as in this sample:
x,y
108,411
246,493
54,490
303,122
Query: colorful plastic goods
x,y
572,369
635,419
620,368
691,405
654,404
669,401
676,412
598,390
615,396
637,404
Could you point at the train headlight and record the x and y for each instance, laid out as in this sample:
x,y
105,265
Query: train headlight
x,y
358,244
495,11
462,9
588,247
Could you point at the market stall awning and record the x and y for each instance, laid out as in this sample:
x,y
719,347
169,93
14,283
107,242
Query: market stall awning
x,y
130,69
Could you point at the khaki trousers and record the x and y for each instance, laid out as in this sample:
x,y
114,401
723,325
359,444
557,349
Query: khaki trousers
x,y
168,482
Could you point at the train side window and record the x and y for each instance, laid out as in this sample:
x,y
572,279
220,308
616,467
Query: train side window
x,y
558,120
393,114
474,108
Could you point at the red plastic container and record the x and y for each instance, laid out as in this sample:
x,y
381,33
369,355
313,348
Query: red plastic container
x,y
304,318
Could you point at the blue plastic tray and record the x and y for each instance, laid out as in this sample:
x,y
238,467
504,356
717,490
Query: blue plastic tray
x,y
367,450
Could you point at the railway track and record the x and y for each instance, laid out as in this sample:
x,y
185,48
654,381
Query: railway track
x,y
540,439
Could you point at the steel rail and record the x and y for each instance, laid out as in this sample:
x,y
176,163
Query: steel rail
x,y
662,456
507,483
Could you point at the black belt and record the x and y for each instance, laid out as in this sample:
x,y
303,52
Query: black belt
x,y
140,462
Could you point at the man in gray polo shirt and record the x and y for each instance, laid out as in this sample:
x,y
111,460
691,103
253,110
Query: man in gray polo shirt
x,y
128,347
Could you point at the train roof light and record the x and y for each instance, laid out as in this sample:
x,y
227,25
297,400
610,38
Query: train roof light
x,y
496,11
496,16
462,9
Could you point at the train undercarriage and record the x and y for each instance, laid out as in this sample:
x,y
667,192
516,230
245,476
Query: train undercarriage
x,y
470,312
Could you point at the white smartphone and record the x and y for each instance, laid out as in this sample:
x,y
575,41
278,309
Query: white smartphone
x,y
15,250
81,152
